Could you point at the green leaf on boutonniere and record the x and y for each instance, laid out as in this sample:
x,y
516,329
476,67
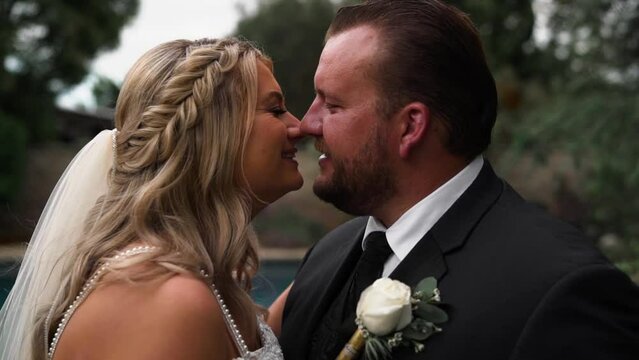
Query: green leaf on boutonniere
x,y
427,286
431,313
418,331
422,301
376,349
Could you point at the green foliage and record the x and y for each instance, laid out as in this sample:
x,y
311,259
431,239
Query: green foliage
x,y
585,104
376,349
426,313
506,31
431,312
598,127
292,33
626,256
596,38
427,286
13,148
105,92
45,47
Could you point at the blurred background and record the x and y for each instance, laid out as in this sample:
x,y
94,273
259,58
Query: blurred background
x,y
567,74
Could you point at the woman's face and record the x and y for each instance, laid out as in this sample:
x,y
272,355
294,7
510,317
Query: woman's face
x,y
269,159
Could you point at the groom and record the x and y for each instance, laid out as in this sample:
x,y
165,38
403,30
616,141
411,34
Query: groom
x,y
404,109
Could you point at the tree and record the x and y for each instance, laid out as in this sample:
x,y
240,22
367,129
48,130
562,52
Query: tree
x,y
292,33
597,39
590,109
506,29
105,92
45,47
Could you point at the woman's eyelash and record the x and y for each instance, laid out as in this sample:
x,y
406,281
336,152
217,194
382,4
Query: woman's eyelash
x,y
277,111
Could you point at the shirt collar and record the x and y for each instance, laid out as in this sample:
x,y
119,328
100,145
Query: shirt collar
x,y
406,232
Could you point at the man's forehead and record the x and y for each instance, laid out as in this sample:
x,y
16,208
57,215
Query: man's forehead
x,y
352,43
352,50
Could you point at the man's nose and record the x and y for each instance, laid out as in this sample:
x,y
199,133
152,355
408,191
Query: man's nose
x,y
312,120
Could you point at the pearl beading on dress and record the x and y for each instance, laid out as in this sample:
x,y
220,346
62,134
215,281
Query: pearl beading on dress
x,y
230,323
86,290
228,319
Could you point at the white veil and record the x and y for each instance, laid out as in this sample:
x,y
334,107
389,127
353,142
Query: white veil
x,y
58,231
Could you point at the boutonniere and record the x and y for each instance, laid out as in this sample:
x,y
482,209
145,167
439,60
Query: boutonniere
x,y
390,315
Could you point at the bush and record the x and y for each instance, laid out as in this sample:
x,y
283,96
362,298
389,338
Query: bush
x,y
13,150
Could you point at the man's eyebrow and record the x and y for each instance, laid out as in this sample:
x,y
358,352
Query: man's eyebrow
x,y
327,96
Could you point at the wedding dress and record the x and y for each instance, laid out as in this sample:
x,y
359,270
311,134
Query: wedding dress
x,y
59,230
270,349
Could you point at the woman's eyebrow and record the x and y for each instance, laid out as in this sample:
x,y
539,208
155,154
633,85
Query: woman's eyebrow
x,y
273,95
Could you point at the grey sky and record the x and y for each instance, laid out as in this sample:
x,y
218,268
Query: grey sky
x,y
158,21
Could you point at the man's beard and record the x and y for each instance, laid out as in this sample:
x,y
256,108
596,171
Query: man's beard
x,y
361,184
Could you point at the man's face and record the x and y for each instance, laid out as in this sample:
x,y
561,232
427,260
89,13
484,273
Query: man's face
x,y
355,165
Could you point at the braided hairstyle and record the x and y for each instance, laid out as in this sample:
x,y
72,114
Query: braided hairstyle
x,y
183,115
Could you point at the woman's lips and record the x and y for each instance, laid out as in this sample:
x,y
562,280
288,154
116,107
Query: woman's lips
x,y
289,155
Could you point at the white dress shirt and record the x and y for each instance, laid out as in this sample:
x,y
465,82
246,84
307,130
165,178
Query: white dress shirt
x,y
406,232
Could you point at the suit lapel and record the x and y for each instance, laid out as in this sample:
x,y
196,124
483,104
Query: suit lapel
x,y
427,258
314,294
343,264
453,229
424,260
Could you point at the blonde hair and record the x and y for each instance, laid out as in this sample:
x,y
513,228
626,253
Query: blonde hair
x,y
183,115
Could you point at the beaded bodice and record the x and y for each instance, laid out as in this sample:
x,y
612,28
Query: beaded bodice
x,y
270,349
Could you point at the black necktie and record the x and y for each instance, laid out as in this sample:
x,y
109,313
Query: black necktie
x,y
369,267
338,324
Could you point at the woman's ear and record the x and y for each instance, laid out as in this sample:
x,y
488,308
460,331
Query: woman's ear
x,y
414,120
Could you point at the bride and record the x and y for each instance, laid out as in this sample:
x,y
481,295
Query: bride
x,y
144,250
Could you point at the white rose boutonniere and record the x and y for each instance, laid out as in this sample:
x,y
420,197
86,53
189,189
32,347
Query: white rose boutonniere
x,y
389,314
385,307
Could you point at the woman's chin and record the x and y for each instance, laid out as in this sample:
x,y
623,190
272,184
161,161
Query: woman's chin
x,y
261,201
295,182
299,183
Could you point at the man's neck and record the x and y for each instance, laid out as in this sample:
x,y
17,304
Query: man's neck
x,y
415,185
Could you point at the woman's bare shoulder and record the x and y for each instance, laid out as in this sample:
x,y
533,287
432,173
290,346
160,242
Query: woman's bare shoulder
x,y
187,294
177,317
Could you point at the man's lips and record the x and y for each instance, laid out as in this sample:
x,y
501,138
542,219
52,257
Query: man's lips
x,y
319,146
323,150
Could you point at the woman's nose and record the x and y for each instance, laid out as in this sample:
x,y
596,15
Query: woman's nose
x,y
293,131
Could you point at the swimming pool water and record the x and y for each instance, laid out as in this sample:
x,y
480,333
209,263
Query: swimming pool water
x,y
274,276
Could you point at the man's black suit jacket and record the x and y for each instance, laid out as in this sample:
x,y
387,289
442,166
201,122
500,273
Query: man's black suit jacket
x,y
518,284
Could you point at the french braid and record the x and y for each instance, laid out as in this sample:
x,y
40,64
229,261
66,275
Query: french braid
x,y
183,116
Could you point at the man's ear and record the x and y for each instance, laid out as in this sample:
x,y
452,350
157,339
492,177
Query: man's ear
x,y
414,120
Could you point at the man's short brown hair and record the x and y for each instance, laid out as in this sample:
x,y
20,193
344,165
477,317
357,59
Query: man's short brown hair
x,y
430,52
